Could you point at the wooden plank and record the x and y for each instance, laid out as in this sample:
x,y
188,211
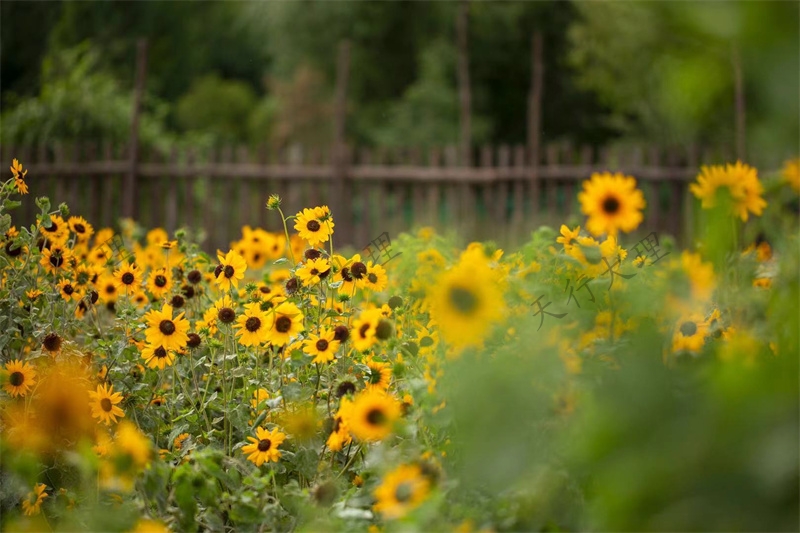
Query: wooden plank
x,y
652,216
451,193
675,195
432,192
552,152
207,203
171,200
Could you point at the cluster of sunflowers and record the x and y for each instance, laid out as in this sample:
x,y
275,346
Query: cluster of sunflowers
x,y
290,384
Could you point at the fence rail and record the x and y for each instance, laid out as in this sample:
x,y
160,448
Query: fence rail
x,y
502,197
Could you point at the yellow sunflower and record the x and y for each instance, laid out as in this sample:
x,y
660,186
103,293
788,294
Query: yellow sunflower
x,y
68,291
21,376
230,270
364,329
568,235
159,282
56,259
127,278
104,404
156,356
742,185
340,431
164,330
314,225
19,176
375,279
690,333
313,271
286,322
373,415
378,376
401,490
791,173
83,230
612,202
32,503
55,230
322,347
264,448
466,300
252,325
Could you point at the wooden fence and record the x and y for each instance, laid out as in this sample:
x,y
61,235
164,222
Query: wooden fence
x,y
501,197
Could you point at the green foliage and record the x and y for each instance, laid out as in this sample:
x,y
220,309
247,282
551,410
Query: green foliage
x,y
216,107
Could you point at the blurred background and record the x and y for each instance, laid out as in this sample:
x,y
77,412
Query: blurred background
x,y
373,107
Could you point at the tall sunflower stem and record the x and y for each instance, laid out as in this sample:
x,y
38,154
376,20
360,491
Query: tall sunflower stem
x,y
286,233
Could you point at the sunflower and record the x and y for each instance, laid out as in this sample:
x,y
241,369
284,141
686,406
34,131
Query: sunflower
x,y
568,235
323,346
313,271
127,278
375,278
54,231
156,356
690,333
287,321
342,274
378,375
19,176
373,415
104,404
52,343
21,377
32,503
164,330
340,431
225,312
315,225
159,282
230,270
741,183
465,301
364,328
791,173
177,444
264,449
83,230
68,291
56,259
401,490
252,325
612,202
107,289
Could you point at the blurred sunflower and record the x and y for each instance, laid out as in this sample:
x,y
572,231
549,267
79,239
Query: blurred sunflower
x,y
466,300
19,176
365,328
378,376
375,279
32,503
264,447
56,259
104,404
68,291
612,202
791,173
21,376
690,333
372,416
159,282
81,228
401,490
741,183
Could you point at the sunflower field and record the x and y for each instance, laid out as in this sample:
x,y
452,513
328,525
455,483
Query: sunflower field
x,y
596,378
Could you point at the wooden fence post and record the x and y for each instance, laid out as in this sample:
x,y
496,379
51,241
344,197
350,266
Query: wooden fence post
x,y
464,94
340,194
535,119
129,182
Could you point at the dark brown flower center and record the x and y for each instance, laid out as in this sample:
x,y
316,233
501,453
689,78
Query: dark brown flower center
x,y
346,274
105,404
226,315
314,271
16,379
375,376
68,289
376,417
322,345
359,270
52,342
194,277
688,329
128,278
80,228
384,330
283,324
253,324
345,387
264,445
341,333
194,340
403,492
56,259
160,352
167,327
229,271
177,301
611,205
463,300
363,330
160,281
11,251
372,278
313,225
